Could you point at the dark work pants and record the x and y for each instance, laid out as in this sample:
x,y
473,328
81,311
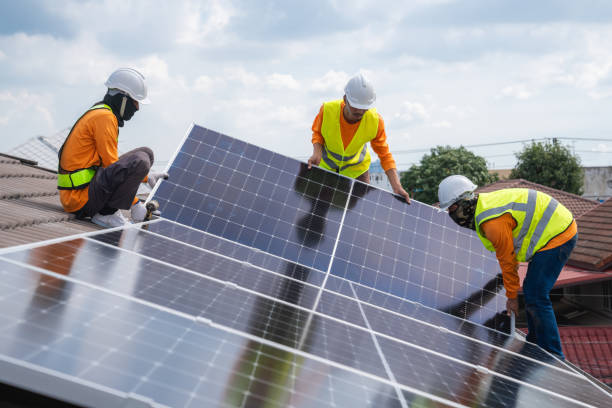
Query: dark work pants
x,y
115,186
542,273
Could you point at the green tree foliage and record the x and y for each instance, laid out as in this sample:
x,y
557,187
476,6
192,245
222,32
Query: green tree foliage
x,y
422,181
550,164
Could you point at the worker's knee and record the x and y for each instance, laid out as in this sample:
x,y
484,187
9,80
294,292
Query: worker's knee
x,y
149,153
141,162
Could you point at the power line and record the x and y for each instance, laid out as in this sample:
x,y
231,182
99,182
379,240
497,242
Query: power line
x,y
589,139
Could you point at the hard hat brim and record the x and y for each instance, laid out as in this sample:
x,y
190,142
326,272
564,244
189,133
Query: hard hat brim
x,y
358,105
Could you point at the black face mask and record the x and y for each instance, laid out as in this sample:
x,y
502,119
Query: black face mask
x,y
464,213
115,102
130,108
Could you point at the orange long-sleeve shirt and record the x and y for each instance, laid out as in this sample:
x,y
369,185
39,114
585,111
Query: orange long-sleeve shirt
x,y
93,142
348,130
499,232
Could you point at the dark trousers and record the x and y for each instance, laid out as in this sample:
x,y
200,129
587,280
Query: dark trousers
x,y
115,186
542,273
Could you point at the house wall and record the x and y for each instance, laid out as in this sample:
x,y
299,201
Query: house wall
x,y
597,183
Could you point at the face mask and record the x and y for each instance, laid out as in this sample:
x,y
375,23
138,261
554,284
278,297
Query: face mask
x,y
128,108
464,213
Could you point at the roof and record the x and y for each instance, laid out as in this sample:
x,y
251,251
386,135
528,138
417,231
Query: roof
x,y
576,204
570,276
589,348
30,209
594,247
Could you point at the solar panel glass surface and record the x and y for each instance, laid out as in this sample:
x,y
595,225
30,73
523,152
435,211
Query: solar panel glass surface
x,y
267,284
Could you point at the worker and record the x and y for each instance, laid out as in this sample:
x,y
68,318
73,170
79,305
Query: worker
x,y
93,181
342,129
519,225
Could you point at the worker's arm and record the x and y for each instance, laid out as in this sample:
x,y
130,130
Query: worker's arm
x,y
381,148
317,140
499,232
396,185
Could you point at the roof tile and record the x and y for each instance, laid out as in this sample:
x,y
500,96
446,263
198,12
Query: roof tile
x,y
594,247
30,209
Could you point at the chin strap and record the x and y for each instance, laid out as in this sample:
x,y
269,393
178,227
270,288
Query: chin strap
x,y
123,102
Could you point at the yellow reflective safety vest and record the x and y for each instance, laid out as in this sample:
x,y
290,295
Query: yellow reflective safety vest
x,y
355,159
539,218
77,179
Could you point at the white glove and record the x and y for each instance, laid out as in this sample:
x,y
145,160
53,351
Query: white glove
x,y
138,212
153,177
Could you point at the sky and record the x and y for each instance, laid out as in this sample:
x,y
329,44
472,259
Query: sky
x,y
446,72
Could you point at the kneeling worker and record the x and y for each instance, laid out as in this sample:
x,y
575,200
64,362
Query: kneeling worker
x,y
92,180
519,225
342,129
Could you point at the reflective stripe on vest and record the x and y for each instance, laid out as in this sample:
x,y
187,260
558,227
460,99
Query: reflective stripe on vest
x,y
77,179
355,159
539,218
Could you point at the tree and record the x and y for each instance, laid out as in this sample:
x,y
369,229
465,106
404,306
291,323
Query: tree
x,y
549,164
422,181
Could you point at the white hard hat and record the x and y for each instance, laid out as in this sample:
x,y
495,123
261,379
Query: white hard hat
x,y
453,188
129,81
360,92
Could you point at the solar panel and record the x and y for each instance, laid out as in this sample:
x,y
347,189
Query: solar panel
x,y
269,285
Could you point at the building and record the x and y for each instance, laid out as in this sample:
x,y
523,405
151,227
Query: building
x,y
597,183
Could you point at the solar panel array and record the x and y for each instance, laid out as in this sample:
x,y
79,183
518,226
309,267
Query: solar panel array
x,y
267,284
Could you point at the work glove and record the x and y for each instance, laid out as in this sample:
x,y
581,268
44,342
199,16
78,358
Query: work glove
x,y
138,212
153,177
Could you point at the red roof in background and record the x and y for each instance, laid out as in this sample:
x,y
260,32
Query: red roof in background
x,y
570,275
589,348
594,247
576,204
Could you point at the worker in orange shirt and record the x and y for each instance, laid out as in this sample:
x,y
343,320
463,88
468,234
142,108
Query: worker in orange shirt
x,y
519,225
93,181
342,129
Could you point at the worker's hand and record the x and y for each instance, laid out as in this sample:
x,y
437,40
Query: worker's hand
x,y
399,190
317,154
152,178
396,185
512,306
314,160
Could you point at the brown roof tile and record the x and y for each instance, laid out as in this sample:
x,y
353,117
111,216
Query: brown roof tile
x,y
594,247
30,209
576,204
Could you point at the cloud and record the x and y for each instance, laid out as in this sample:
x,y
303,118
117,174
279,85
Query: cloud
x,y
412,112
282,81
516,91
203,21
203,83
24,107
331,82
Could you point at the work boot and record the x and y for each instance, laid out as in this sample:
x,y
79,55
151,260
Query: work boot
x,y
109,221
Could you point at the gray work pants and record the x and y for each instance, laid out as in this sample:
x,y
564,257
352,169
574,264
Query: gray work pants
x,y
115,186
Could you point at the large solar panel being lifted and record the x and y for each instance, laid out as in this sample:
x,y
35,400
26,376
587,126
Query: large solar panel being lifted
x,y
267,201
269,285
